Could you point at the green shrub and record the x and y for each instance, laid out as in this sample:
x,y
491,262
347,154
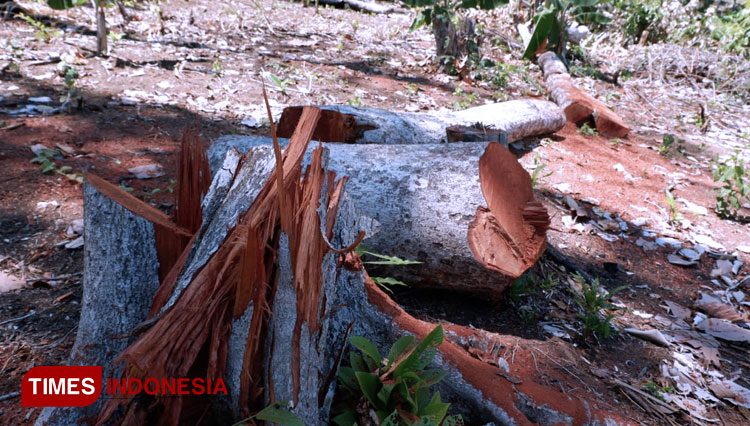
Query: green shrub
x,y
395,389
642,15
593,303
735,188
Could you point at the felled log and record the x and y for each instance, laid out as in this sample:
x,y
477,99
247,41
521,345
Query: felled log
x,y
359,5
518,119
577,104
465,210
266,298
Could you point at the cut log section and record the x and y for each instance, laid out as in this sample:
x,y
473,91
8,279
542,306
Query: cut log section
x,y
428,200
577,104
269,301
518,119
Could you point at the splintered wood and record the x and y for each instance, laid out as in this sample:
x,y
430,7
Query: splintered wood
x,y
510,234
190,337
272,265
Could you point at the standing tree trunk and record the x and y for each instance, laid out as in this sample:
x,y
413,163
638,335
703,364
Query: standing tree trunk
x,y
101,27
454,43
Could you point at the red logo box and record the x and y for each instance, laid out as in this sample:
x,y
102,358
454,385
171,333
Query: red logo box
x,y
62,386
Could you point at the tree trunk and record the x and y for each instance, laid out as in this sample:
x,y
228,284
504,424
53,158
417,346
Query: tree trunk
x,y
451,43
518,119
101,27
265,296
119,284
577,104
426,199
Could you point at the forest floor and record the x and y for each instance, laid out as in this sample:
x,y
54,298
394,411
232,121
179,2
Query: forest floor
x,y
182,63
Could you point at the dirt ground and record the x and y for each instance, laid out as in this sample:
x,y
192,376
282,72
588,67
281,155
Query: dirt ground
x,y
180,63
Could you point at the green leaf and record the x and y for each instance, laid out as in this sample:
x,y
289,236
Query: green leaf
x,y
398,348
358,363
277,414
388,281
419,3
347,418
435,410
419,356
391,420
545,22
367,348
490,4
385,393
423,18
585,3
370,386
61,4
389,260
347,378
431,377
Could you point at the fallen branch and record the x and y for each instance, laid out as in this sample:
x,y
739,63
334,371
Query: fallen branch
x,y
577,104
518,119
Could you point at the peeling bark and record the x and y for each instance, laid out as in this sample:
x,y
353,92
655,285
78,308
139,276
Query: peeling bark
x,y
518,119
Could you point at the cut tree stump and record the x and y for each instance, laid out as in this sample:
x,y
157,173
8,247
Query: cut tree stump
x,y
265,295
577,104
427,198
518,119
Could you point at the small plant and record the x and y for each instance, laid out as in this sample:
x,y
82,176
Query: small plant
x,y
395,390
466,99
657,390
46,165
539,167
674,211
735,185
593,302
43,32
276,413
587,130
355,101
44,159
115,37
666,144
282,85
523,286
643,16
218,67
385,282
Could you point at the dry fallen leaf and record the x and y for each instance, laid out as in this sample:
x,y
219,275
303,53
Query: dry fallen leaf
x,y
147,172
678,310
732,392
724,330
714,307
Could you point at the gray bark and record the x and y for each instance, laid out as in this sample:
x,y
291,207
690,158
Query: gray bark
x,y
121,276
518,119
425,198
